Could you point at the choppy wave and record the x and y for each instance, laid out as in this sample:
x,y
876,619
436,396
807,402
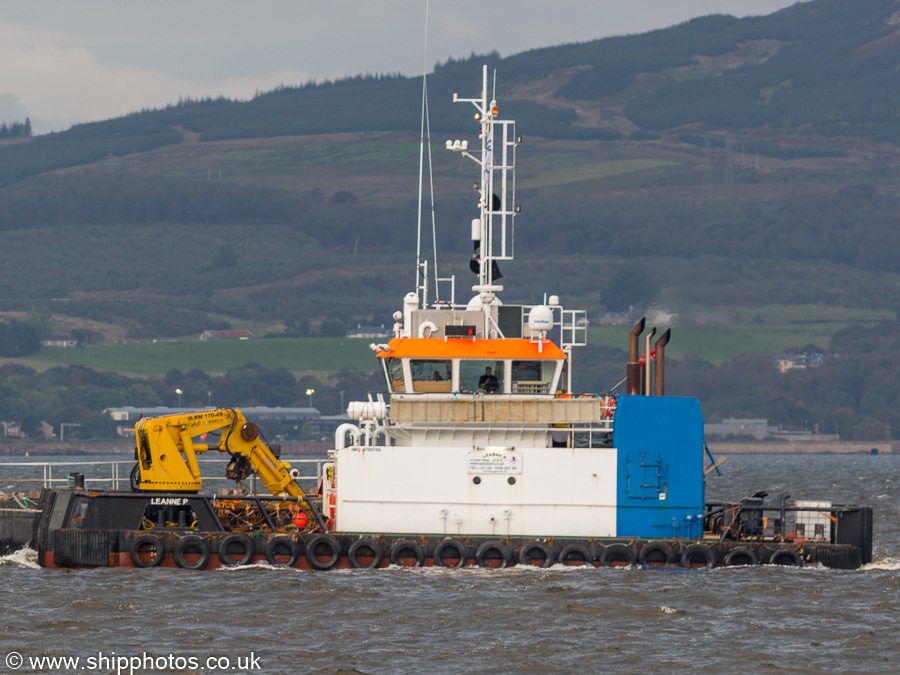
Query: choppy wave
x,y
523,620
889,563
24,557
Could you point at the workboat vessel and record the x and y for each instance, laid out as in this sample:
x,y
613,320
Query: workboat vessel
x,y
479,453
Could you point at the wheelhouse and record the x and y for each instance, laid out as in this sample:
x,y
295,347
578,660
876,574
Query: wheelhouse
x,y
488,366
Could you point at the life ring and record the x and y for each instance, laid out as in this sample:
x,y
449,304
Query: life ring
x,y
656,553
364,554
575,554
406,549
740,556
617,555
242,543
494,554
191,545
787,557
698,555
536,553
452,550
323,552
282,551
610,410
143,545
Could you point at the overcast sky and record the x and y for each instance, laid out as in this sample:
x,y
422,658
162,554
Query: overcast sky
x,y
63,62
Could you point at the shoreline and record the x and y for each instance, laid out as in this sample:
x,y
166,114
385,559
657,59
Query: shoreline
x,y
803,447
125,448
119,448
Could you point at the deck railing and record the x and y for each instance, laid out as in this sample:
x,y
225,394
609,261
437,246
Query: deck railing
x,y
24,476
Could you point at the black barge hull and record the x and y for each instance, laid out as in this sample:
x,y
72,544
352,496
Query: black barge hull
x,y
116,529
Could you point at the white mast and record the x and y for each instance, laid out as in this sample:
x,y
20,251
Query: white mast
x,y
492,231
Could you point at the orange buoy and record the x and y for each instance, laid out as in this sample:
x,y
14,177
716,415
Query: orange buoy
x,y
301,520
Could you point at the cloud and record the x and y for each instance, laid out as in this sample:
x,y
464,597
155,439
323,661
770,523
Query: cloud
x,y
11,110
48,76
106,58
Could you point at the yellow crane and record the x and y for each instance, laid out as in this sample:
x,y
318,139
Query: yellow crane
x,y
167,454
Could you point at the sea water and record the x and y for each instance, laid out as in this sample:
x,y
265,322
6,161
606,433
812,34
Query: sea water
x,y
259,619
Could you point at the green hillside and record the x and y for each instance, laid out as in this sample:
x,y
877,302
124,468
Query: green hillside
x,y
741,174
822,67
300,204
305,356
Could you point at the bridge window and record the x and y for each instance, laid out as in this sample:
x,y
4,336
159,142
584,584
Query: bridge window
x,y
532,377
431,375
394,369
486,376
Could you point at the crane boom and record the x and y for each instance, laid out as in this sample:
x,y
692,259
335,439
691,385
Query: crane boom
x,y
167,454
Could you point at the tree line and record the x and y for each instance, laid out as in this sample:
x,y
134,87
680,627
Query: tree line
x,y
79,395
843,228
855,393
841,85
16,129
17,338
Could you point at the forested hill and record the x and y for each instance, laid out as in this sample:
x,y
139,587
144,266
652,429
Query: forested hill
x,y
824,67
736,172
715,163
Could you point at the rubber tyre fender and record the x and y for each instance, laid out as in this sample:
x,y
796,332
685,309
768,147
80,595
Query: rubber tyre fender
x,y
787,557
740,554
235,538
536,545
617,553
505,555
695,550
654,549
271,551
573,552
186,543
134,478
377,554
407,545
315,543
140,541
454,544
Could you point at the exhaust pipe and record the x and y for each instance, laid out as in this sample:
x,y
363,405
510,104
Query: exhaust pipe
x,y
633,367
659,362
647,366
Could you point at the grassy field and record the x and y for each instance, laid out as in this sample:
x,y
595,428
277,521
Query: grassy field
x,y
300,356
771,329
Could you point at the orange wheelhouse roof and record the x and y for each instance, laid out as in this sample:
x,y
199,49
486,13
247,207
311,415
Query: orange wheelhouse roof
x,y
465,348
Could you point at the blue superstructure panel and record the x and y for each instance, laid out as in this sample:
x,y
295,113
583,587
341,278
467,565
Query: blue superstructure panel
x,y
659,440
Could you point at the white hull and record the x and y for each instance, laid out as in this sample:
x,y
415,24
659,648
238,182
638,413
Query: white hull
x,y
528,492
